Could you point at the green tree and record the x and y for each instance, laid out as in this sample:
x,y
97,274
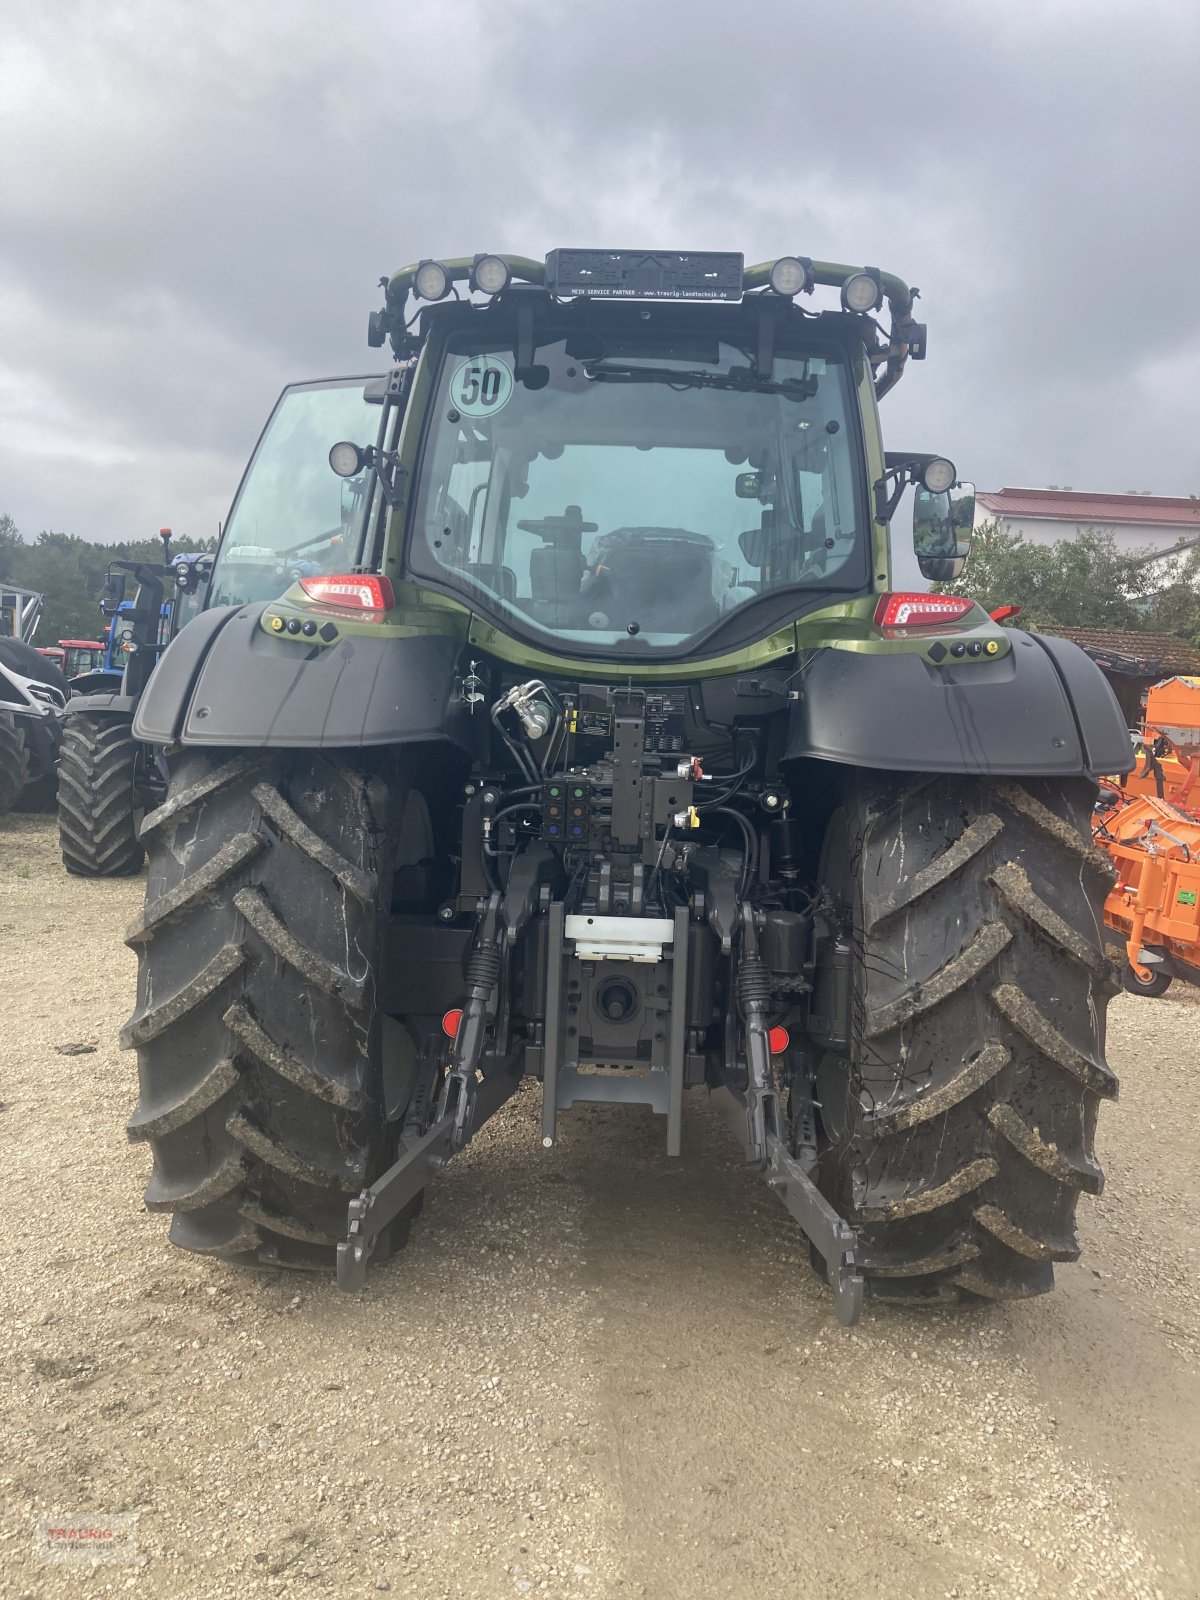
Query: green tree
x,y
12,547
1085,582
70,571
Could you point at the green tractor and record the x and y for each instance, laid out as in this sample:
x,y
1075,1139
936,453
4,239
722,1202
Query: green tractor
x,y
609,735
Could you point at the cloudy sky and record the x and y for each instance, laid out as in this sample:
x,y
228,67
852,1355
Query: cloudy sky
x,y
196,202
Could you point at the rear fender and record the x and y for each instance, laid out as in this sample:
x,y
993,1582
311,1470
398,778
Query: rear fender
x,y
30,684
111,701
1043,709
101,681
225,681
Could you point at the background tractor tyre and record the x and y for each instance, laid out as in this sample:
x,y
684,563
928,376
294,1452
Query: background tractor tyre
x,y
257,1031
959,1131
40,794
97,797
1157,985
14,761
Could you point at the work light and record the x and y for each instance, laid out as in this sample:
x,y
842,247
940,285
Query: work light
x,y
861,292
432,281
346,459
938,475
490,274
789,276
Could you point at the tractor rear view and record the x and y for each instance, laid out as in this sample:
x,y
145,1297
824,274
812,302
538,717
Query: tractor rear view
x,y
608,734
106,778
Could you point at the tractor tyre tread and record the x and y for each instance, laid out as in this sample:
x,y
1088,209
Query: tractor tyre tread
x,y
97,801
961,1132
259,1046
14,761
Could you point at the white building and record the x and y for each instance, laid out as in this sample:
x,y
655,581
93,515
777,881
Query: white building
x,y
1046,516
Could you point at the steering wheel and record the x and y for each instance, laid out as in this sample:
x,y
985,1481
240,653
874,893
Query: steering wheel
x,y
567,529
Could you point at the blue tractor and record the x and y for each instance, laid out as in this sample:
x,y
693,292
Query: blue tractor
x,y
106,778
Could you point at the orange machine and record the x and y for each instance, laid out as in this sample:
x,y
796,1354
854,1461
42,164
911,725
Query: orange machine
x,y
1149,825
1155,902
1169,751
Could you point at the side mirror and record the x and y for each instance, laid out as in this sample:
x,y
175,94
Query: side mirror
x,y
943,526
114,592
753,544
748,485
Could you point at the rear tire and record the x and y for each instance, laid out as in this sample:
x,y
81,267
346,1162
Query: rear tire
x,y
97,797
959,1131
257,1029
14,761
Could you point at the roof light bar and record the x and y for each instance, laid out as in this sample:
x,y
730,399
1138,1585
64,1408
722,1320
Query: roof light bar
x,y
905,610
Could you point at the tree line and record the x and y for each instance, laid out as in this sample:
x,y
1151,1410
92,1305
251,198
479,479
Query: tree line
x,y
70,571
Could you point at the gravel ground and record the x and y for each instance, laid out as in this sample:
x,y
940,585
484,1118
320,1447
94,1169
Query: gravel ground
x,y
594,1372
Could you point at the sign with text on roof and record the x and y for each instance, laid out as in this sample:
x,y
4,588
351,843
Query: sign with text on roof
x,y
646,274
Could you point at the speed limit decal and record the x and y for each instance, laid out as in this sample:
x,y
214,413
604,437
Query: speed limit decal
x,y
482,386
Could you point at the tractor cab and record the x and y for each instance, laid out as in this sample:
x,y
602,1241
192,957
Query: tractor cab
x,y
165,599
82,655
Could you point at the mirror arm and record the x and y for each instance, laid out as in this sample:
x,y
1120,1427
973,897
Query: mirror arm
x,y
386,462
390,473
886,500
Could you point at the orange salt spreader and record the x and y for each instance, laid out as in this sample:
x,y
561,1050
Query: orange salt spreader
x,y
1149,825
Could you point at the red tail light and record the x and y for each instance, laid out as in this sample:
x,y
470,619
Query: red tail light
x,y
919,610
351,591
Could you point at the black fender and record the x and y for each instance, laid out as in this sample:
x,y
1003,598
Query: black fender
x,y
104,680
27,662
111,701
1043,709
225,681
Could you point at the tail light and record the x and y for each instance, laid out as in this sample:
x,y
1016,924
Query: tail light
x,y
920,610
351,591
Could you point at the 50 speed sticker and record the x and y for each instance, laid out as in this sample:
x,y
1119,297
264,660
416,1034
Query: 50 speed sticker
x,y
481,386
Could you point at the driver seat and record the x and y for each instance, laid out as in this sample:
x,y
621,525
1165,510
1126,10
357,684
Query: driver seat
x,y
660,578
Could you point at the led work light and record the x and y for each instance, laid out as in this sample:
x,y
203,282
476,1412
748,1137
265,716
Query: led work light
x,y
938,475
347,459
432,281
790,276
862,292
490,274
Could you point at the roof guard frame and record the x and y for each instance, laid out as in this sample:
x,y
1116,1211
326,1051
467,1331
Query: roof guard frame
x,y
906,336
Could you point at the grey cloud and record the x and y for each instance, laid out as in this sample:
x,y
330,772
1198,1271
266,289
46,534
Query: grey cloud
x,y
197,203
